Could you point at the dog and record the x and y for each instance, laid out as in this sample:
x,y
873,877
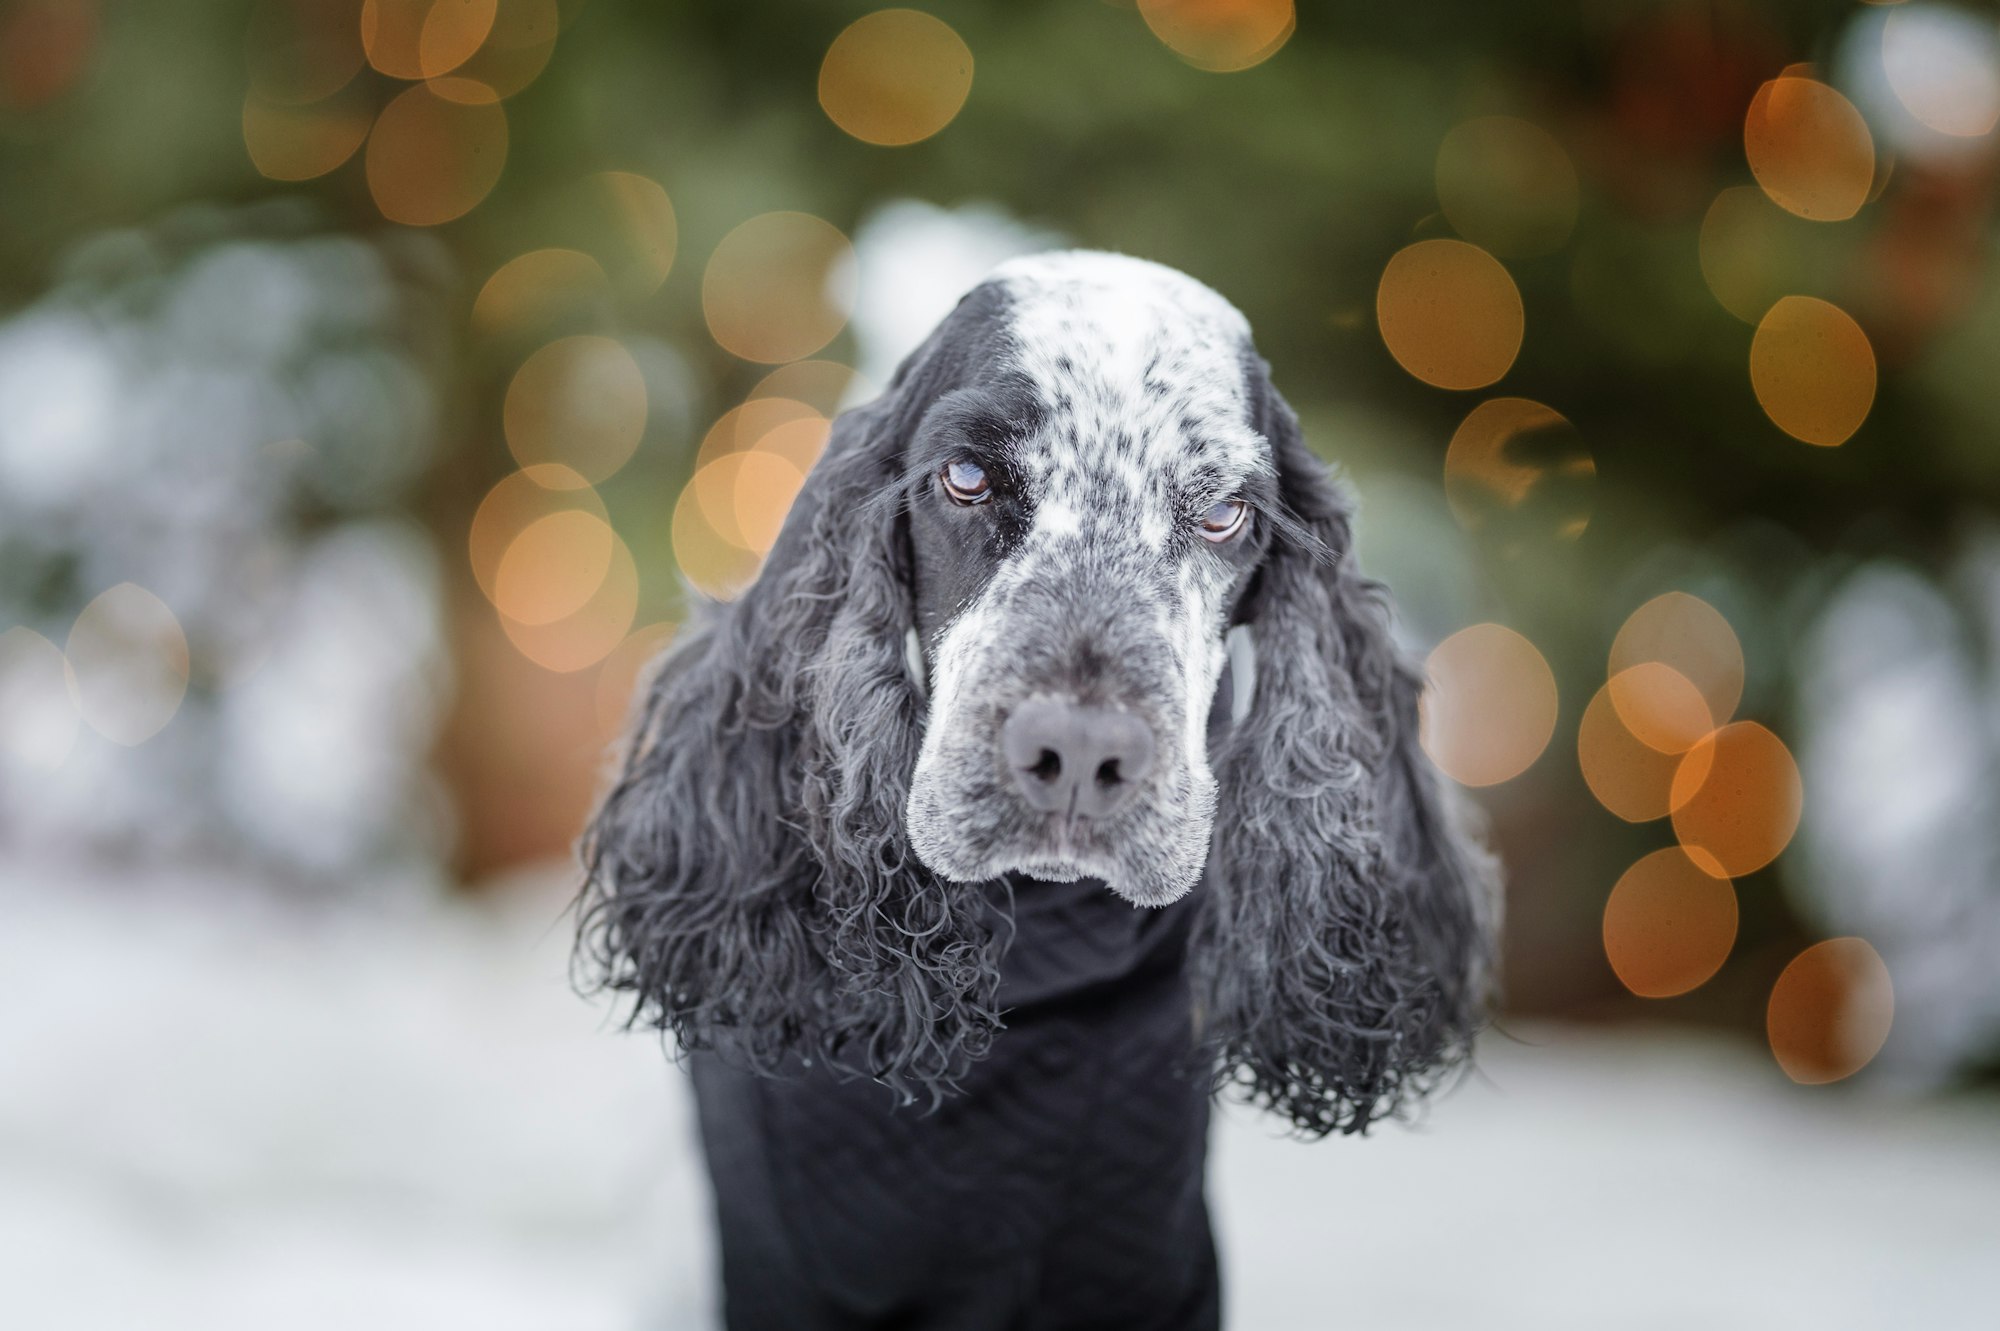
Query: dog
x,y
1058,773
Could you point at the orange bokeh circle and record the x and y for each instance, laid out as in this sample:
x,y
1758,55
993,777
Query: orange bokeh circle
x,y
1668,925
1450,314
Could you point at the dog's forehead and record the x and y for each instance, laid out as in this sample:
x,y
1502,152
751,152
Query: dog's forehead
x,y
1141,372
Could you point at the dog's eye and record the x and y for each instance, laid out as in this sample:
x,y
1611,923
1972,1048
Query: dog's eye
x,y
966,482
1224,520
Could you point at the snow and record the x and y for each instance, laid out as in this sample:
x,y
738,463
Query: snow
x,y
221,1108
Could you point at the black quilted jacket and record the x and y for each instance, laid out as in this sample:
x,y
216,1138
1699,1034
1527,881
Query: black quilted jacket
x,y
1062,1189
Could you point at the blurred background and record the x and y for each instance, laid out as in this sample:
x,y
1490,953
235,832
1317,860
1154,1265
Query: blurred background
x,y
377,377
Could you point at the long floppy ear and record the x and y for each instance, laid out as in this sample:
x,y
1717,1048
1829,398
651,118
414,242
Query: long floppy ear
x,y
1343,953
749,881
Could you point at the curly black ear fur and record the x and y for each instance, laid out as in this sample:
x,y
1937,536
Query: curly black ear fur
x,y
749,881
1343,952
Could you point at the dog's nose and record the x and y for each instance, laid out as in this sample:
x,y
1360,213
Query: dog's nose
x,y
1068,758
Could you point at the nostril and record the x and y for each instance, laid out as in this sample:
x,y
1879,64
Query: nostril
x,y
1107,773
1048,767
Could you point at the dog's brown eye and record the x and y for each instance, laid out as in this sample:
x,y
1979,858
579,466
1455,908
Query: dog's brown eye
x,y
1224,520
966,482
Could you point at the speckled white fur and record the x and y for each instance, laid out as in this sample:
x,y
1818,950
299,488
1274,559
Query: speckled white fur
x,y
1140,370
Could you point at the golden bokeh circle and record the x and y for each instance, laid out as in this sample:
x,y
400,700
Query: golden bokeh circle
x,y
746,426
1660,707
1690,635
128,661
288,141
1628,776
1737,798
423,39
1506,184
646,233
437,150
1221,36
1830,1011
1813,370
518,48
823,385
580,401
517,501
1518,470
1450,314
535,289
586,636
1809,149
895,77
1490,705
1668,926
778,287
717,568
744,497
553,566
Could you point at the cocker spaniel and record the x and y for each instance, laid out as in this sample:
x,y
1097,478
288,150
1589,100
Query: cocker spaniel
x,y
1058,772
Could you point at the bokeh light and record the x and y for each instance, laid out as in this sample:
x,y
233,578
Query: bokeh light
x,y
303,50
1518,471
1809,149
553,567
518,48
423,39
717,568
45,45
580,401
1628,776
1507,185
623,671
536,289
582,638
895,77
1830,1011
436,152
38,720
748,471
513,505
128,664
1490,707
1221,35
1746,253
1737,798
1668,926
823,385
1943,64
1690,635
300,142
1449,314
744,497
778,287
645,232
1660,707
1813,370
790,428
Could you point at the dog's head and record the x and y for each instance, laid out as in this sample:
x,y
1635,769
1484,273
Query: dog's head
x,y
1089,512
1071,599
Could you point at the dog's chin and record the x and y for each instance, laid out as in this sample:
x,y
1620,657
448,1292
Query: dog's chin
x,y
1150,857
1154,884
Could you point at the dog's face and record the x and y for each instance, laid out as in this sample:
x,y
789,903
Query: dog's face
x,y
1085,517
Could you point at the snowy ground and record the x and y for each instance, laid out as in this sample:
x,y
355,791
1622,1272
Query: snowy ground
x,y
217,1112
